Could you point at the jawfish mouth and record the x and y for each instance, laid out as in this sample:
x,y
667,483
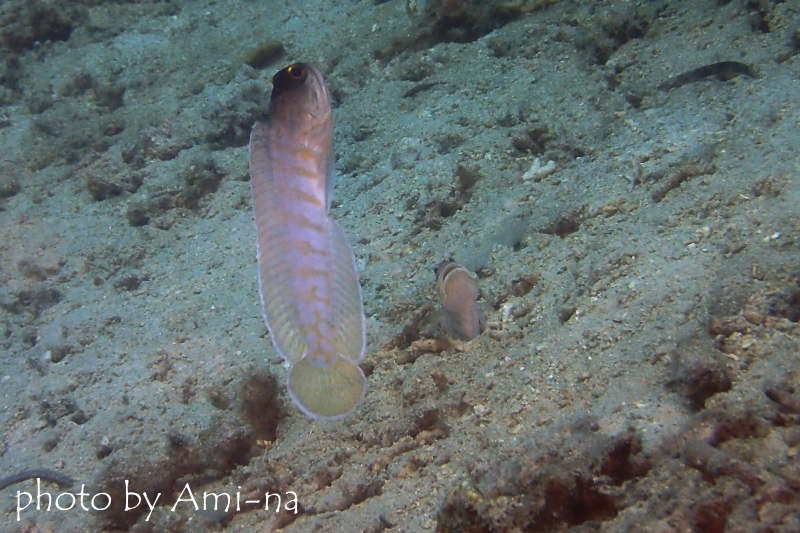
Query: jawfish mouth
x,y
320,99
442,270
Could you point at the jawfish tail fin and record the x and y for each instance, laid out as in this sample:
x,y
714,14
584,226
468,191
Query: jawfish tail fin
x,y
326,390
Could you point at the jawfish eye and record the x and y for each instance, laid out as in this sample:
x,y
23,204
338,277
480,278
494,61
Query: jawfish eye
x,y
295,71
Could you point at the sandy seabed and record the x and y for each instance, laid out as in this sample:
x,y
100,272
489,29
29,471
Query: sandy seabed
x,y
640,369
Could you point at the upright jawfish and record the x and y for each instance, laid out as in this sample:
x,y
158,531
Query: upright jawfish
x,y
306,271
458,293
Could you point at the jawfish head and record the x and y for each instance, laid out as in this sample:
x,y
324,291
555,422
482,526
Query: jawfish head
x,y
457,293
454,285
299,88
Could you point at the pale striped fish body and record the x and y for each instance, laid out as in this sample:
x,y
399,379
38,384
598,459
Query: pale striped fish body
x,y
307,277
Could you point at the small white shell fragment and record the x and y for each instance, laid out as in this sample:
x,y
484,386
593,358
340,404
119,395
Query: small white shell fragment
x,y
481,410
508,307
539,171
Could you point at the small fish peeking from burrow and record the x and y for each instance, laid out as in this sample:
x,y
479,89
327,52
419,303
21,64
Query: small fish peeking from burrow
x,y
463,320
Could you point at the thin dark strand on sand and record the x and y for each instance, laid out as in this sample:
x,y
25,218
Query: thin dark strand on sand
x,y
43,473
721,69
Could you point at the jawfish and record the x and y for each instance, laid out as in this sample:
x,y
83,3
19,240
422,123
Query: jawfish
x,y
308,282
458,293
